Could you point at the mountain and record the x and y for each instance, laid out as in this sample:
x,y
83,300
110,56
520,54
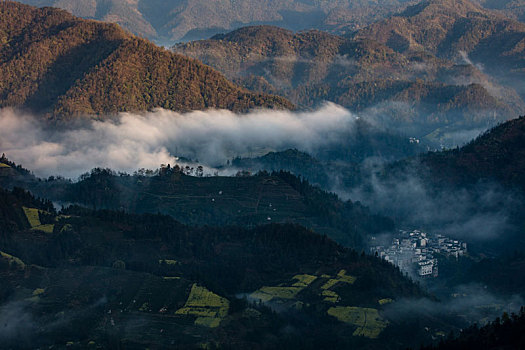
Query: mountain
x,y
457,30
56,64
498,155
169,21
416,91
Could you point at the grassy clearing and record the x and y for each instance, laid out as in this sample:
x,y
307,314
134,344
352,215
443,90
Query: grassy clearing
x,y
341,277
2,165
369,323
209,308
13,260
385,301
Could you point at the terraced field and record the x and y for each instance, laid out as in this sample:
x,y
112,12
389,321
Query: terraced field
x,y
284,292
209,308
368,321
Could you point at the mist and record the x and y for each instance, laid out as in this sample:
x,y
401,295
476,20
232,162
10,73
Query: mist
x,y
481,213
466,303
132,141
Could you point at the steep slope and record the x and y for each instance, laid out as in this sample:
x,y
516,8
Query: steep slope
x,y
405,89
170,21
54,63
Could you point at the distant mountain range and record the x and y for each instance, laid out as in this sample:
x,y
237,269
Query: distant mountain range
x,y
168,21
56,64
420,91
457,30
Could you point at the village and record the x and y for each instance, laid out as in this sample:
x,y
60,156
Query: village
x,y
413,251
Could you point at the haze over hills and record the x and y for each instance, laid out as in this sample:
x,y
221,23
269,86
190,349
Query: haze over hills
x,y
169,21
56,64
413,91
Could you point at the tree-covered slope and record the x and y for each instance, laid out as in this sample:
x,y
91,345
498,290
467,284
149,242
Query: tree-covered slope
x,y
52,62
496,155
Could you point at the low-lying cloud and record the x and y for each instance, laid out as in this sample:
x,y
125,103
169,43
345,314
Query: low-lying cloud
x,y
480,213
133,141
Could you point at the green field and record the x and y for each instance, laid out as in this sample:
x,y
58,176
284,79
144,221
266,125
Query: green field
x,y
209,308
2,165
368,321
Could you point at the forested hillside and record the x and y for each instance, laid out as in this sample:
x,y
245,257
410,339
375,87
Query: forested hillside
x,y
60,65
498,155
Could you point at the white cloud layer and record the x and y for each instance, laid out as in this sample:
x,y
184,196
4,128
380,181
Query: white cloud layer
x,y
133,141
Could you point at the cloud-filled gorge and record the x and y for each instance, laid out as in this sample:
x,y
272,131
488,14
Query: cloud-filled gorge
x,y
133,141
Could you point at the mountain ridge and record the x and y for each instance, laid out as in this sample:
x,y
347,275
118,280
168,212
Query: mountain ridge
x,y
60,65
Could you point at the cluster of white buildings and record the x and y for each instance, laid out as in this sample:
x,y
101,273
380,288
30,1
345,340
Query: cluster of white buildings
x,y
413,251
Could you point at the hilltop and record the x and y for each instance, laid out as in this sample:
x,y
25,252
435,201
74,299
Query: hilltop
x,y
54,63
